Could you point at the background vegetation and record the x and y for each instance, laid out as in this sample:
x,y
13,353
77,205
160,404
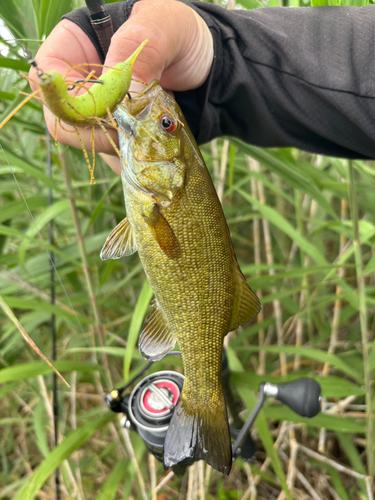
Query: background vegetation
x,y
304,231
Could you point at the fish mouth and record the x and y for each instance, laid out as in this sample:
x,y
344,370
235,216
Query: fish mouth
x,y
126,123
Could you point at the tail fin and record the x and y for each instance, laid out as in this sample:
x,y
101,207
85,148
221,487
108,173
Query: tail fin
x,y
199,433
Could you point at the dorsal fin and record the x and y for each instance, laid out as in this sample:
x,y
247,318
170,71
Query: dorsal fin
x,y
246,305
234,256
120,242
156,339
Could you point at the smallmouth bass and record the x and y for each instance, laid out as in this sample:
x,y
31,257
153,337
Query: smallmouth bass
x,y
176,222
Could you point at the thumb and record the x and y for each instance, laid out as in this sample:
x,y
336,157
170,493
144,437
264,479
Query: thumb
x,y
179,51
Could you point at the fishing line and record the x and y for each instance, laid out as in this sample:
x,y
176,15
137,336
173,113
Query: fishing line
x,y
42,240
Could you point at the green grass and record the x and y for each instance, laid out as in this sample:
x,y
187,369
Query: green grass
x,y
315,278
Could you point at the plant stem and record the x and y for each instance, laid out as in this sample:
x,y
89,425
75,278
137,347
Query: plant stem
x,y
365,334
270,261
86,267
258,262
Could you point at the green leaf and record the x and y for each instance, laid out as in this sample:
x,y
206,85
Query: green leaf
x,y
280,222
372,355
312,354
136,323
25,371
287,170
100,205
29,169
39,419
109,490
39,222
337,483
332,387
352,453
15,208
8,96
50,14
355,3
70,444
370,267
112,351
261,423
18,65
250,4
36,305
19,17
331,422
9,231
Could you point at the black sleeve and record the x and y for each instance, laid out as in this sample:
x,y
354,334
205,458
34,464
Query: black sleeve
x,y
300,77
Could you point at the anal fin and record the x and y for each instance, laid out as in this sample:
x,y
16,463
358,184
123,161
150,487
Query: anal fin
x,y
156,339
120,242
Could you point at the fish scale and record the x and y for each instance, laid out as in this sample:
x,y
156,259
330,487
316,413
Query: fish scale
x,y
183,241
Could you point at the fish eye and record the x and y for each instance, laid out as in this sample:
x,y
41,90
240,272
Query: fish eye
x,y
168,124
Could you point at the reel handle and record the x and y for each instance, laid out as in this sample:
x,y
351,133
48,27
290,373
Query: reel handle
x,y
303,395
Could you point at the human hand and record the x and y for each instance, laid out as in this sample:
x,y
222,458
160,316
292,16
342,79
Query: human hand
x,y
179,54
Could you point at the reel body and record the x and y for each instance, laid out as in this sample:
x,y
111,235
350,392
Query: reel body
x,y
149,407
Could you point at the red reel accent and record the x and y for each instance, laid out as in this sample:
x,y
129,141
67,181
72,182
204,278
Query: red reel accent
x,y
165,384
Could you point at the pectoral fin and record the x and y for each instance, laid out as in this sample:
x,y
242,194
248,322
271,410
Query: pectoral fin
x,y
163,233
120,242
156,339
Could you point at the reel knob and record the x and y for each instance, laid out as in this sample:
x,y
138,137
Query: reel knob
x,y
302,395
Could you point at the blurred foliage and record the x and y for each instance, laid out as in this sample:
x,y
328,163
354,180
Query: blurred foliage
x,y
315,274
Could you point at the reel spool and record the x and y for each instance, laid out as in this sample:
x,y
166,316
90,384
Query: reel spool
x,y
150,408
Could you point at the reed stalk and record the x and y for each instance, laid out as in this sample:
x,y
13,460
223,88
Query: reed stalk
x,y
86,267
270,261
258,262
335,319
363,320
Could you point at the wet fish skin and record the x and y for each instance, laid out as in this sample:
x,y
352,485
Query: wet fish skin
x,y
176,222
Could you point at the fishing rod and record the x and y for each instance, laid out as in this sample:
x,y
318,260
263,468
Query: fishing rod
x,y
148,408
101,21
55,389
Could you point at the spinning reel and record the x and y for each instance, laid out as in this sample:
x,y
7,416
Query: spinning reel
x,y
148,408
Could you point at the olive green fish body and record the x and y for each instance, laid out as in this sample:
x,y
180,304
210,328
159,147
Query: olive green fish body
x,y
196,289
176,222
